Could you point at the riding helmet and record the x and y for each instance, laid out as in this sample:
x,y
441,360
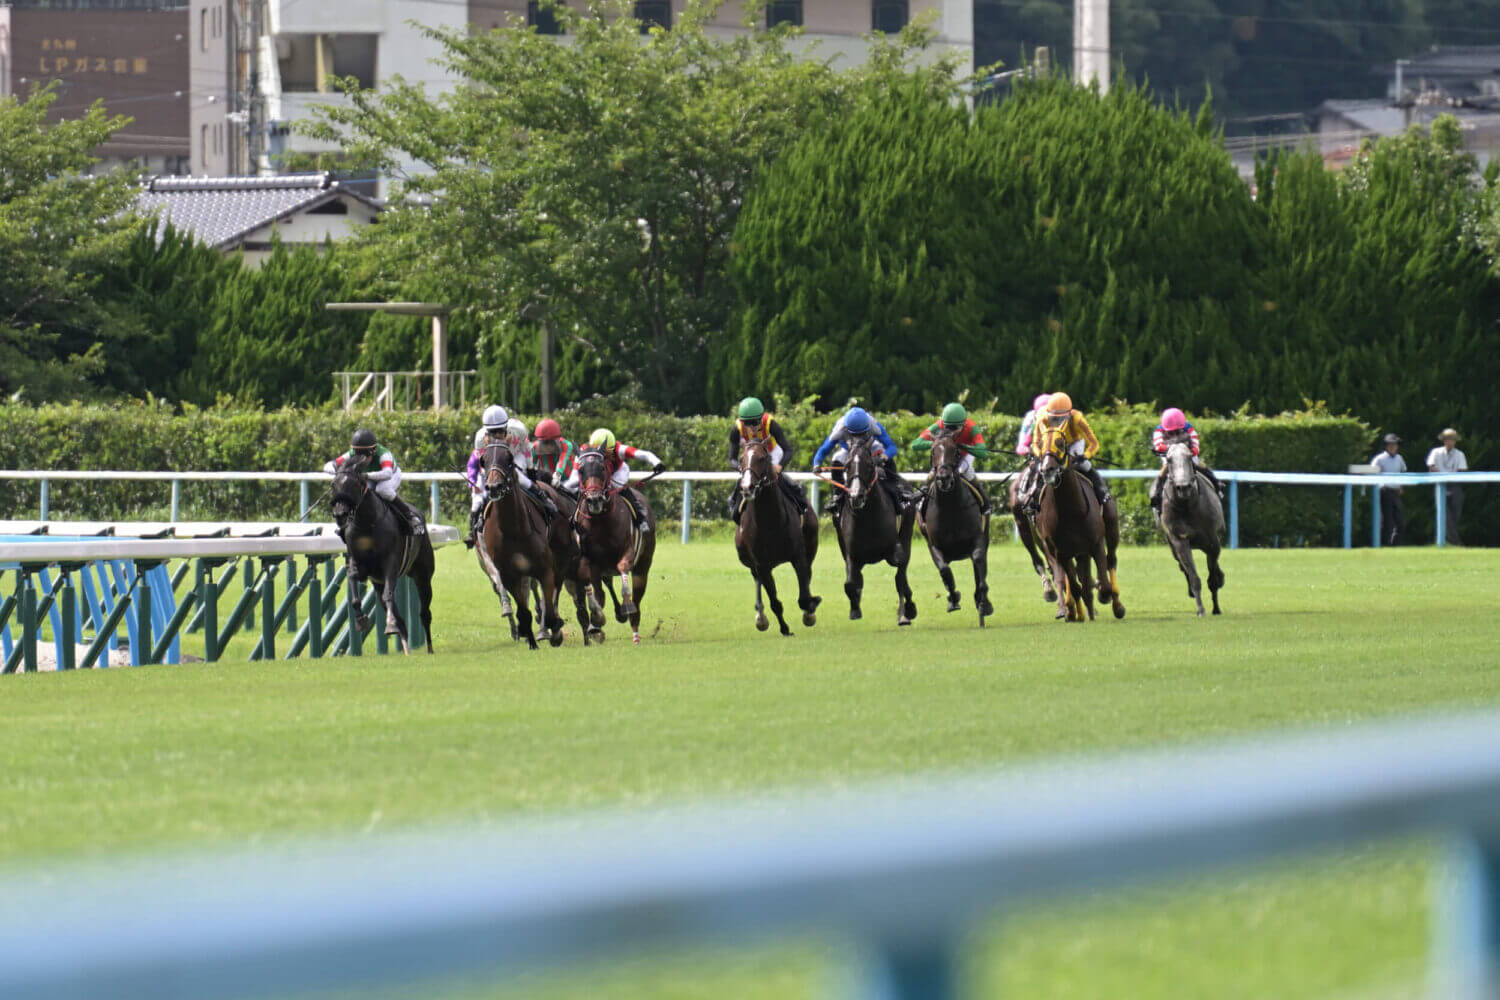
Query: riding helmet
x,y
954,415
1040,402
548,429
751,408
516,428
1173,419
603,438
363,440
856,421
495,418
1059,402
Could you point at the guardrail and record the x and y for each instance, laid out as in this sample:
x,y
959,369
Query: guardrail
x,y
902,868
1232,480
118,573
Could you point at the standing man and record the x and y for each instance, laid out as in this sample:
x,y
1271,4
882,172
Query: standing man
x,y
1447,458
1392,514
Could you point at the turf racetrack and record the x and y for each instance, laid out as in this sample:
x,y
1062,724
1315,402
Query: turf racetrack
x,y
150,758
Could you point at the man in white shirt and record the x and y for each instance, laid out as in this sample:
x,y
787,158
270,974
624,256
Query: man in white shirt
x,y
1447,458
1392,514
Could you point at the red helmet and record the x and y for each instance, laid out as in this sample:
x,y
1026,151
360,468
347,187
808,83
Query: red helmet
x,y
548,429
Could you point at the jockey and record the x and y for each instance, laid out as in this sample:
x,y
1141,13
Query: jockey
x,y
1028,423
500,427
551,453
955,420
1174,427
386,476
753,424
853,426
474,474
616,456
1078,436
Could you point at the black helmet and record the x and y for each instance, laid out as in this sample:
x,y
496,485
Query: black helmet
x,y
1392,439
363,440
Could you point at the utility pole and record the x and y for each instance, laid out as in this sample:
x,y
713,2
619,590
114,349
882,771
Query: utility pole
x,y
1091,43
256,141
546,333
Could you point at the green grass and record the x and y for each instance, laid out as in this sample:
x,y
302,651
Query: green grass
x,y
136,759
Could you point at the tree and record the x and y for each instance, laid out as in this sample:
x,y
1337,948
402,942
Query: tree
x,y
588,189
58,230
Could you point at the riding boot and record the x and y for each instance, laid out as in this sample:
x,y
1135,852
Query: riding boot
x,y
901,492
837,495
474,526
794,491
734,504
1157,493
639,503
984,498
549,509
409,517
1101,489
1218,486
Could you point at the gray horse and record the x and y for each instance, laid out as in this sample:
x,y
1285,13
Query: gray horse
x,y
1192,518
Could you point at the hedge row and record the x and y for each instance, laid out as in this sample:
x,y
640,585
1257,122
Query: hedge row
x,y
144,437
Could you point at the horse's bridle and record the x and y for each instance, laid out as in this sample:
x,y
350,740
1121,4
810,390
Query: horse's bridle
x,y
945,473
592,483
498,482
751,483
1190,488
1052,473
345,473
858,494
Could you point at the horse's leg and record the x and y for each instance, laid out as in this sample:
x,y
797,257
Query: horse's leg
x,y
980,558
1060,575
906,608
854,585
1215,575
580,606
805,599
1040,567
1101,561
626,608
487,563
424,602
356,599
946,572
1183,550
621,615
638,580
761,621
1111,515
523,613
552,622
394,624
769,579
1086,585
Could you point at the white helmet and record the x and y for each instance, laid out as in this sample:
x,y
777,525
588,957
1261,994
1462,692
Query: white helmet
x,y
479,436
495,417
516,429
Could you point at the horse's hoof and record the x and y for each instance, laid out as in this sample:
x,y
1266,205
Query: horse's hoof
x,y
903,621
595,635
1200,612
531,644
786,632
1120,610
955,603
1049,595
809,619
855,614
812,604
635,639
515,633
1217,611
910,611
761,623
1063,616
986,609
362,623
556,638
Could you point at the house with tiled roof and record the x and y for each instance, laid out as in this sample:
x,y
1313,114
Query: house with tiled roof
x,y
250,214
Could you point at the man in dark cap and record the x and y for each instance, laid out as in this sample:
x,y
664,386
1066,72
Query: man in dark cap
x,y
1392,514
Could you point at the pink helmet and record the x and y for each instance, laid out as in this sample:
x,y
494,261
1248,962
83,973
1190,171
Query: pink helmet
x,y
1041,401
1173,419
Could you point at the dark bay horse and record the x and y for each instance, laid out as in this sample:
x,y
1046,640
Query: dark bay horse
x,y
610,545
871,530
1074,532
954,525
380,551
516,545
1018,486
773,531
1192,518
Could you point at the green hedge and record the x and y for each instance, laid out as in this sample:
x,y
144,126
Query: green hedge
x,y
146,437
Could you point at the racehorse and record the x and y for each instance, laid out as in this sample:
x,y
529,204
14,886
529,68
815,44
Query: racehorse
x,y
773,531
515,545
380,551
954,525
1192,518
871,529
1022,517
1073,530
608,540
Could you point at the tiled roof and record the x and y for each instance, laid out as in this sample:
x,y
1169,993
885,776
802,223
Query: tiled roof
x,y
220,211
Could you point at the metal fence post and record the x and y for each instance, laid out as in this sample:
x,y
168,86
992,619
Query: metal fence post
x,y
142,654
1349,516
1440,503
269,566
68,637
911,970
687,510
1375,518
46,499
304,499
436,510
29,623
1234,513
208,588
814,493
1467,925
176,499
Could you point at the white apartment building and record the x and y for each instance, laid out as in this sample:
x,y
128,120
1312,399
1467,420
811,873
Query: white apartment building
x,y
305,41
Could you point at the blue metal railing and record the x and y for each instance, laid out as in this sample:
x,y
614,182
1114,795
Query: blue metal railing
x,y
904,869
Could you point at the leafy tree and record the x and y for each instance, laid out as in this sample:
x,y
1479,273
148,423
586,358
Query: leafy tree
x,y
57,232
588,189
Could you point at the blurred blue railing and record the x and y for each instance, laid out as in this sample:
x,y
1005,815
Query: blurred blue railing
x,y
903,870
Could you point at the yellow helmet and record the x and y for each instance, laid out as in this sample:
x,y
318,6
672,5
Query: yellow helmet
x,y
1060,402
603,438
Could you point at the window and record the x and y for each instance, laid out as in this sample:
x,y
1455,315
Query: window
x,y
203,145
203,29
543,18
888,16
653,14
784,12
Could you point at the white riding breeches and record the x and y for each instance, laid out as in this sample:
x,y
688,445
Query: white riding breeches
x,y
618,480
476,502
966,467
387,488
1077,448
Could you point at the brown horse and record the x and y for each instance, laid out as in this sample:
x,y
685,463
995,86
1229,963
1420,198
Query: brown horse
x,y
955,525
517,545
609,544
1018,486
871,529
773,531
1075,531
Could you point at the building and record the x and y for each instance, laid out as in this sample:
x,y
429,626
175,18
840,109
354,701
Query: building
x,y
162,63
373,40
251,214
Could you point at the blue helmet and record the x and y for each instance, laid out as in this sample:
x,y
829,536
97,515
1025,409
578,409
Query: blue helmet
x,y
856,421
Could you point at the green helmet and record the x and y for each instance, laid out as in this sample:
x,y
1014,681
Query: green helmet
x,y
954,415
751,408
